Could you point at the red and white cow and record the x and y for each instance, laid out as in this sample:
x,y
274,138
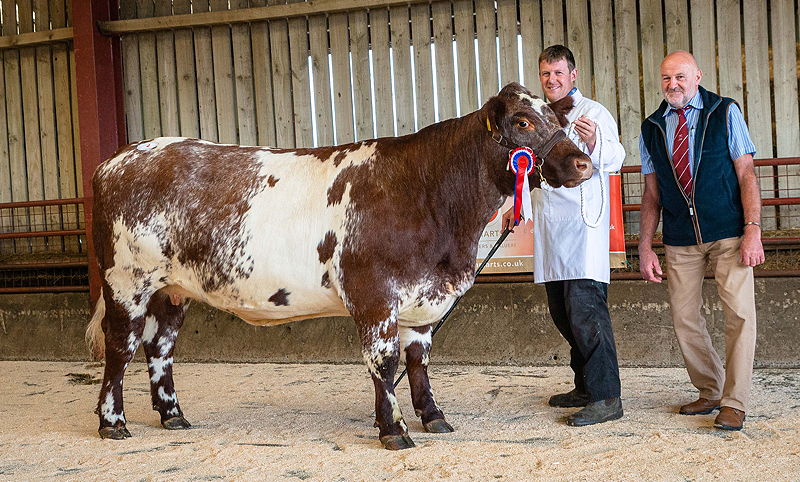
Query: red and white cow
x,y
384,230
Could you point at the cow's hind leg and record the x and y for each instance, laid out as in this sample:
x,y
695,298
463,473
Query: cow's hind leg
x,y
122,336
416,346
381,349
162,322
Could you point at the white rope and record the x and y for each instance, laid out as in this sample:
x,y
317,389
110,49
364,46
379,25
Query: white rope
x,y
599,147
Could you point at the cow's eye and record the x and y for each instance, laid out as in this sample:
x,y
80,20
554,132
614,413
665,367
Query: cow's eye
x,y
523,124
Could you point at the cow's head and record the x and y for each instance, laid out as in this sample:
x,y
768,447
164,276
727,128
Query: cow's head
x,y
518,118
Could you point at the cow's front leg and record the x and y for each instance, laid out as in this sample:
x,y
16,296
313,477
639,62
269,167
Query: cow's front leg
x,y
381,349
416,347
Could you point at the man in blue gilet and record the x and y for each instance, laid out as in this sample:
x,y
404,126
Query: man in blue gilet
x,y
697,161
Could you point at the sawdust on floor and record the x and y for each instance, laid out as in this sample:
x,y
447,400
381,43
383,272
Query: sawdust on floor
x,y
314,422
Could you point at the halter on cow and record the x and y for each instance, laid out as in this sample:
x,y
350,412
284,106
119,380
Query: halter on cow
x,y
384,230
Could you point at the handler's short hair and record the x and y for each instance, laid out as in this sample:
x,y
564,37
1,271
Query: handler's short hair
x,y
557,52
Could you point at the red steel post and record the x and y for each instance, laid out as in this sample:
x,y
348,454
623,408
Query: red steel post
x,y
101,111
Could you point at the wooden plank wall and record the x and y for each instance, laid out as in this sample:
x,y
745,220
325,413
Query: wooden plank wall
x,y
346,76
38,153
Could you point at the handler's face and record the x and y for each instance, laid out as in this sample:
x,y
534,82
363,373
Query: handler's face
x,y
680,79
556,78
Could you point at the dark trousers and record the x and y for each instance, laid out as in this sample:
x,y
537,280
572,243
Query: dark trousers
x,y
580,311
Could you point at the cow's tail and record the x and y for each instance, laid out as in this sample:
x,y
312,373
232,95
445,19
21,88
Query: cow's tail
x,y
95,337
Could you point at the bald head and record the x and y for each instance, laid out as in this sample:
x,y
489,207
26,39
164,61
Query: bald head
x,y
680,57
680,78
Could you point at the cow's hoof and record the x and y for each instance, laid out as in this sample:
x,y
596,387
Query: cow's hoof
x,y
114,433
397,442
176,423
439,425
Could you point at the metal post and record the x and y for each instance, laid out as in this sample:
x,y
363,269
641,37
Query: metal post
x,y
101,112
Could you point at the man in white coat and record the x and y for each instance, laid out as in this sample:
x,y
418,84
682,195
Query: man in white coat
x,y
570,229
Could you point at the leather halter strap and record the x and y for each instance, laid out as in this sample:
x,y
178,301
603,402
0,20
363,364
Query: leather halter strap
x,y
548,146
541,152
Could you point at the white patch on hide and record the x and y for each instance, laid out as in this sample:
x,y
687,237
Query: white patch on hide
x,y
162,394
166,342
139,264
433,399
159,366
381,346
107,410
133,342
536,103
159,143
409,336
146,146
302,187
397,415
150,329
417,309
173,411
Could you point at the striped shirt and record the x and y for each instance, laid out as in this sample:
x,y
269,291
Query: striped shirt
x,y
739,142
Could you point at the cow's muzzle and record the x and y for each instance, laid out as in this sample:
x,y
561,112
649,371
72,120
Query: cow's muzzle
x,y
583,168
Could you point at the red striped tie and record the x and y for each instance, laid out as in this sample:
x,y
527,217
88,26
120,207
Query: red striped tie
x,y
680,153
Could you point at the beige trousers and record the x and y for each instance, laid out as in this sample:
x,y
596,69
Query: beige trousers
x,y
686,266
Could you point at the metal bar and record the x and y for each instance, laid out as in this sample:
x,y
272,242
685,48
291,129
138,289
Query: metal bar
x,y
42,234
780,201
505,278
629,276
43,289
777,161
632,243
758,273
50,202
771,201
61,264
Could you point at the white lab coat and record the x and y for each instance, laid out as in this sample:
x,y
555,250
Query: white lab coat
x,y
565,247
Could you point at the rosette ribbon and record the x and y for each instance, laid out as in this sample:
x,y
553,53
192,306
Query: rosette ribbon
x,y
521,162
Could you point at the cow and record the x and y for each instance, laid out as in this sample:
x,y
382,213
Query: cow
x,y
384,230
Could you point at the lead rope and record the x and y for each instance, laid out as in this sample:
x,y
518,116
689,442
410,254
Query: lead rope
x,y
599,147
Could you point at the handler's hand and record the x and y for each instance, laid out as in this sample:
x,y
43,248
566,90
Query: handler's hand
x,y
587,131
751,252
649,266
508,220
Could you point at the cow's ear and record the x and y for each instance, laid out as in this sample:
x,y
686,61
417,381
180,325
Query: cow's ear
x,y
561,108
495,110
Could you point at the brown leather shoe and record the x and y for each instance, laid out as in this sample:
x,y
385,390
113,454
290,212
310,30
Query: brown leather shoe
x,y
729,418
701,406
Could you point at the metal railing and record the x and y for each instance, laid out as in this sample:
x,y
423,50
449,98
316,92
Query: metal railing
x,y
43,246
780,194
780,217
